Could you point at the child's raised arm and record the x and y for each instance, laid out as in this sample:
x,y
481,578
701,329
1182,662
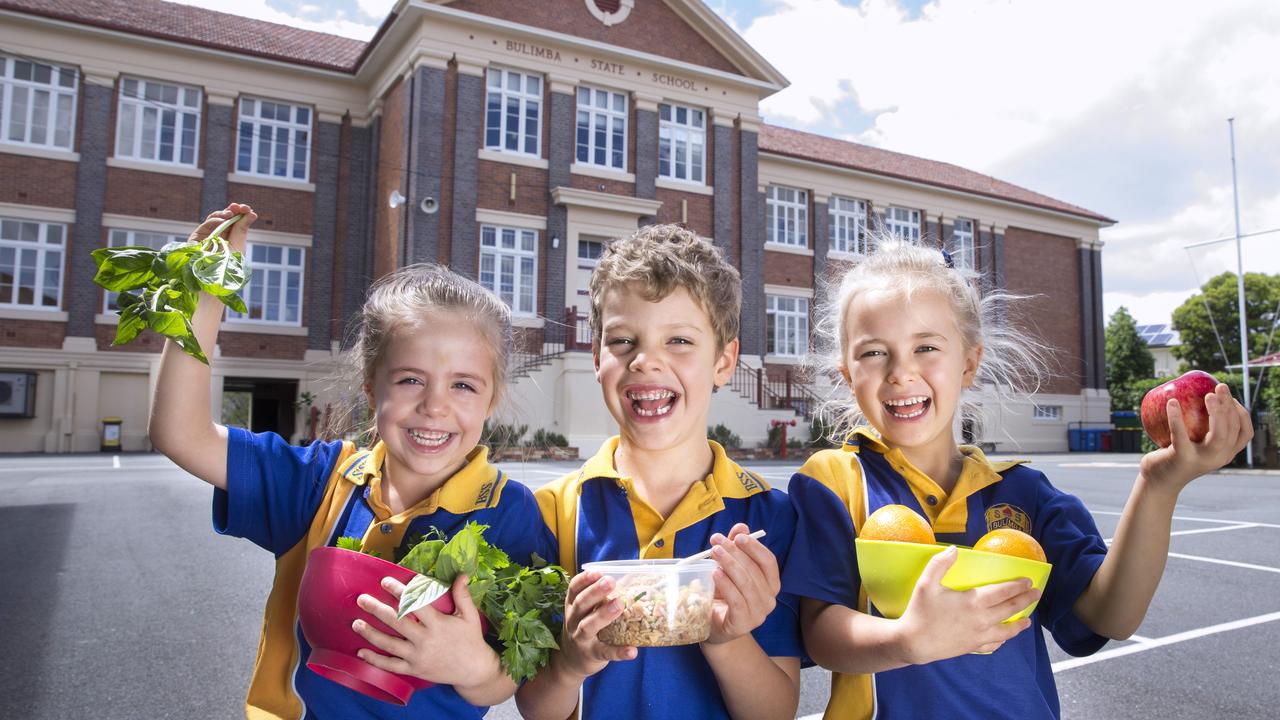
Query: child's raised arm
x,y
1116,600
181,424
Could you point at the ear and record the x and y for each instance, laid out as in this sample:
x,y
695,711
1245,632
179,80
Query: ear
x,y
844,373
595,358
972,360
368,395
727,362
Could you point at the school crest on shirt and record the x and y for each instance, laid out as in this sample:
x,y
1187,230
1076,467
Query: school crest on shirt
x,y
750,482
1005,515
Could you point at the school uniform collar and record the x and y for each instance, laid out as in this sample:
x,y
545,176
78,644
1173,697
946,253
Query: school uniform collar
x,y
727,478
950,509
474,487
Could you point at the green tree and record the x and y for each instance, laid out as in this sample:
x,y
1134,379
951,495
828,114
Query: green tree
x,y
1128,359
1199,348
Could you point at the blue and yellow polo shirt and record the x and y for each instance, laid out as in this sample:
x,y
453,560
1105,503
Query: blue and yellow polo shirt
x,y
595,515
290,500
836,490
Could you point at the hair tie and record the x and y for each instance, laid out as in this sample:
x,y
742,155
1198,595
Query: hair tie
x,y
946,260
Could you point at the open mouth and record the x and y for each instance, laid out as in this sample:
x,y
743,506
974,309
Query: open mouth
x,y
429,440
652,402
908,408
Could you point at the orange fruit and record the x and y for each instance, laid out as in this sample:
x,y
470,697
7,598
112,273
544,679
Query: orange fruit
x,y
1008,541
898,523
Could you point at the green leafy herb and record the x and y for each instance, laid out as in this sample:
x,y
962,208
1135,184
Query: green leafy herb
x,y
159,289
524,605
350,543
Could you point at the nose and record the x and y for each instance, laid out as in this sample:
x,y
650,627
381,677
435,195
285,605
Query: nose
x,y
902,369
646,359
433,402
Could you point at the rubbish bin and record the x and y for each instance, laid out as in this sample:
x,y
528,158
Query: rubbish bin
x,y
1074,441
1125,419
1105,444
111,434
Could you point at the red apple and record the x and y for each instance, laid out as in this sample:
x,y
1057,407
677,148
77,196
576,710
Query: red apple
x,y
1189,390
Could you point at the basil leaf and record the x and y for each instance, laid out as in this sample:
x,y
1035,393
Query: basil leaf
x,y
124,268
191,347
419,593
178,258
126,300
132,322
219,273
235,302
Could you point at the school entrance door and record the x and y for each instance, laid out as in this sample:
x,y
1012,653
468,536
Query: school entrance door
x,y
262,405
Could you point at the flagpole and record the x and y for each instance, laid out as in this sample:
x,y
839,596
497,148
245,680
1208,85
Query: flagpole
x,y
1244,323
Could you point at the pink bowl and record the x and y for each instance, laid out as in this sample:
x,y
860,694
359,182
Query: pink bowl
x,y
334,578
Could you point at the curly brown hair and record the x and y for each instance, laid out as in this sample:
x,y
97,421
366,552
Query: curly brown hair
x,y
662,258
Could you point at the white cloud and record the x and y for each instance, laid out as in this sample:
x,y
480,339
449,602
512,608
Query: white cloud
x,y
337,24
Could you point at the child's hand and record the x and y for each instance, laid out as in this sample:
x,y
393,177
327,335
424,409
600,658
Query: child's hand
x,y
588,607
747,584
1230,429
445,649
238,232
941,623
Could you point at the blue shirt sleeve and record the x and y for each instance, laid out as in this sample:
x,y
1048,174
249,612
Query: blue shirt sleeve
x,y
517,526
1075,548
822,564
273,488
779,634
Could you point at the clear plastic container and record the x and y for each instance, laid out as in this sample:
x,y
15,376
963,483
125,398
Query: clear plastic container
x,y
663,603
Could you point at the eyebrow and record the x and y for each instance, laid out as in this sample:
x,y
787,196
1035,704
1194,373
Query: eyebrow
x,y
926,335
615,325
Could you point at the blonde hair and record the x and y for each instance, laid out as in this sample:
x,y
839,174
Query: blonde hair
x,y
1013,362
662,258
405,301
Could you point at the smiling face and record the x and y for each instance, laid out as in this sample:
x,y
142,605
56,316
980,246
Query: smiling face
x,y
907,363
430,393
657,364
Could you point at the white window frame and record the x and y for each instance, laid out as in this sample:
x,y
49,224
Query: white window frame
x,y
682,139
903,223
607,122
848,225
523,296
1046,413
132,134
792,212
43,248
260,270
260,130
963,249
124,237
790,331
497,87
59,113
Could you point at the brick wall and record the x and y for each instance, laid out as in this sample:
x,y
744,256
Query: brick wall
x,y
147,342
32,333
391,153
1048,270
652,27
783,268
701,210
595,184
493,189
281,210
258,345
156,195
37,181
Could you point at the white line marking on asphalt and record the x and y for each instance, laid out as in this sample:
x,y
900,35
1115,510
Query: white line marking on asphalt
x,y
1161,642
1139,639
1232,563
1098,465
115,462
1197,531
1185,518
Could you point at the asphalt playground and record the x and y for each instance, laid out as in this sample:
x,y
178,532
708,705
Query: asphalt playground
x,y
118,600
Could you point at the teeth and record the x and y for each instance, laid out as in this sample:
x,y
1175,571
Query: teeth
x,y
906,401
651,395
431,437
652,413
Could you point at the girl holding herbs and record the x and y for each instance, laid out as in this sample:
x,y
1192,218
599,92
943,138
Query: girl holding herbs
x,y
430,359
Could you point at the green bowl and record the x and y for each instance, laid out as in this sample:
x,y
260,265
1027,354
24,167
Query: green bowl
x,y
890,570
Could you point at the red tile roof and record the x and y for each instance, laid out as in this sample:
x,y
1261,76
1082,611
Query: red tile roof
x,y
829,151
197,26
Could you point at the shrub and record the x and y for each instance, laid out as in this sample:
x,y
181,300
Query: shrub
x,y
502,435
547,438
724,436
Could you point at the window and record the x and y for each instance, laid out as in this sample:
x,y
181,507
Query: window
x,y
682,139
602,128
1047,412
31,264
513,112
848,225
787,326
962,247
274,292
158,122
589,252
37,103
787,216
136,238
509,266
274,140
902,223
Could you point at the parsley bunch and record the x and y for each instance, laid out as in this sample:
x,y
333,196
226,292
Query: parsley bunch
x,y
159,289
524,605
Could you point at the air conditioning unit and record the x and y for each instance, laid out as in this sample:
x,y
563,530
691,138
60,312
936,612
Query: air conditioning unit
x,y
17,394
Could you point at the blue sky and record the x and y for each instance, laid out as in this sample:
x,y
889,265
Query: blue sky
x,y
1119,107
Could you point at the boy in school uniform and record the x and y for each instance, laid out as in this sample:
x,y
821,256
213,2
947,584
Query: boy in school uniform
x,y
664,320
